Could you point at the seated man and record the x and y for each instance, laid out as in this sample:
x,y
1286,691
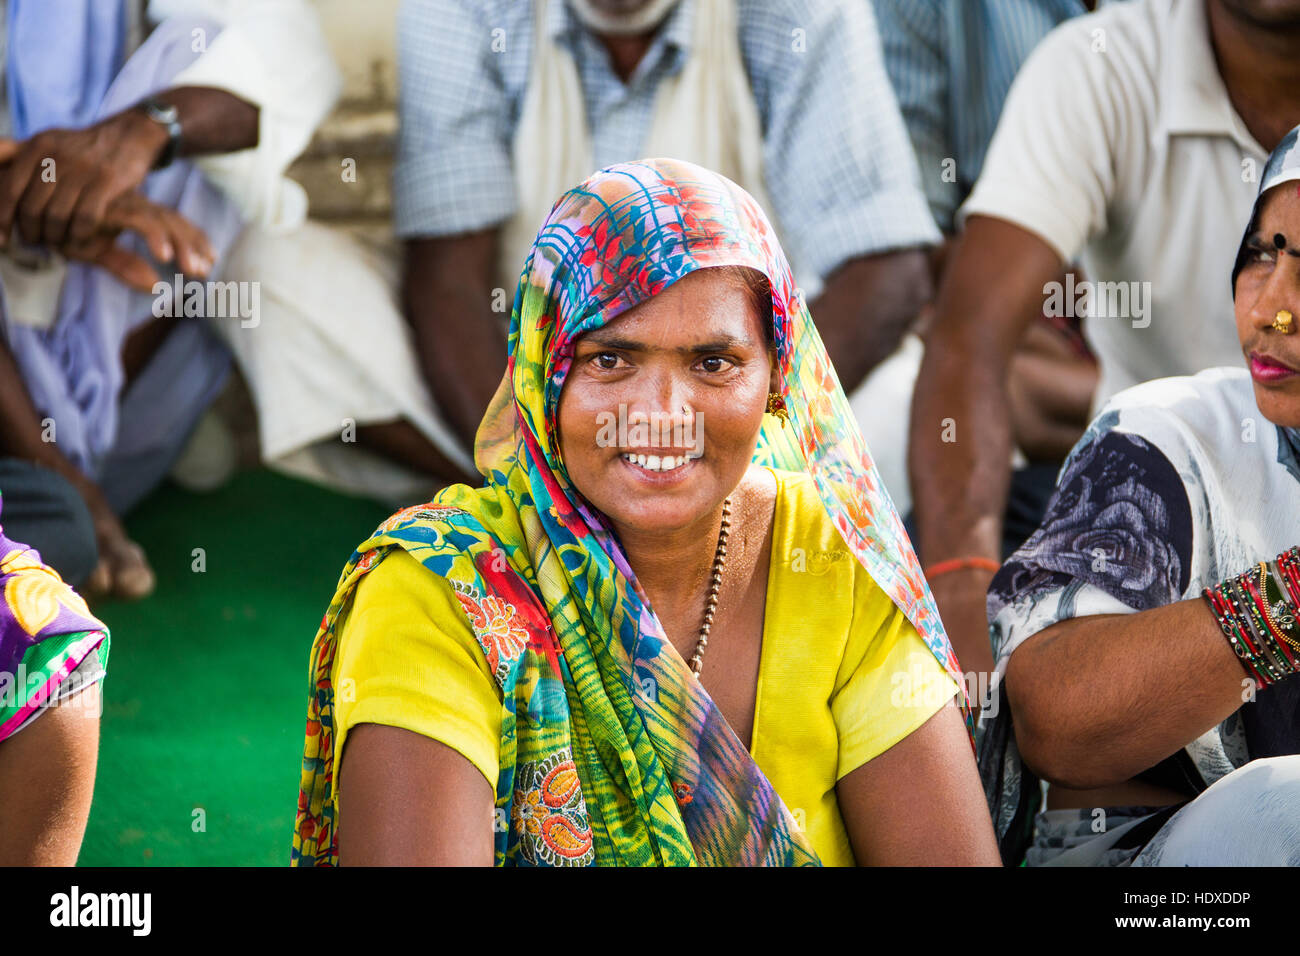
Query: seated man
x,y
505,105
952,62
1132,138
101,379
1147,632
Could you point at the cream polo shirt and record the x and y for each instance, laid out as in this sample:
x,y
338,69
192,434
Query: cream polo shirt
x,y
1119,147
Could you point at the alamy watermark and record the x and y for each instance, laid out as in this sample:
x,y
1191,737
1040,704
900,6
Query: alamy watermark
x,y
622,429
1099,300
37,692
211,299
921,685
130,910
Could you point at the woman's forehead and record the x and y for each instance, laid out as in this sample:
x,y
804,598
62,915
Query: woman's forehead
x,y
702,306
1281,205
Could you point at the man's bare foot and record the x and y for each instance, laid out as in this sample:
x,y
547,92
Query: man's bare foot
x,y
123,570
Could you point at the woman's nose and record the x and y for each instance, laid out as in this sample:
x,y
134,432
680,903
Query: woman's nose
x,y
665,393
665,396
1279,299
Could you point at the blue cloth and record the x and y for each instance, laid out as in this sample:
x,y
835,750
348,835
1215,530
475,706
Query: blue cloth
x,y
837,163
951,63
62,56
73,371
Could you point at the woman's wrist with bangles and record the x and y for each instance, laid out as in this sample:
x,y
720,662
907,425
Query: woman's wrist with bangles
x,y
1256,611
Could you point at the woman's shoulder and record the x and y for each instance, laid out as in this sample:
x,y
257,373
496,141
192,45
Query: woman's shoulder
x,y
398,578
810,558
405,619
401,601
1187,416
407,658
803,531
882,682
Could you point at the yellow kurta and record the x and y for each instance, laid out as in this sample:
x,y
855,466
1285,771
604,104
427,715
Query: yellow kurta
x,y
842,678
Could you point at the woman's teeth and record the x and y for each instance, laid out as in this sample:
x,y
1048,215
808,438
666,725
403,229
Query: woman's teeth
x,y
655,462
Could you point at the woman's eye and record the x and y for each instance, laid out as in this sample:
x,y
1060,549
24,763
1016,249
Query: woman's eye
x,y
714,363
605,360
1263,255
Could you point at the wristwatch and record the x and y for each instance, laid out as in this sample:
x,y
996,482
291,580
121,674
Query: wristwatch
x,y
169,118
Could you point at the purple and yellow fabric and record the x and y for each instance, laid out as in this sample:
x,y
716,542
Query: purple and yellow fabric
x,y
46,633
605,732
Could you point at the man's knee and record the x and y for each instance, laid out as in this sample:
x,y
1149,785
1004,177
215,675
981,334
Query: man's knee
x,y
43,510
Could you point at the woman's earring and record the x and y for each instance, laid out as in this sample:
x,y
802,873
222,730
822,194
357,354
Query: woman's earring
x,y
776,406
1282,322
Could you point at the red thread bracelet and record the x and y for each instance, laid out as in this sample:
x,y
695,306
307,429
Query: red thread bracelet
x,y
960,564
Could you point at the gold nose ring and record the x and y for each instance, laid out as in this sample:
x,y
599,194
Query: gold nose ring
x,y
1282,322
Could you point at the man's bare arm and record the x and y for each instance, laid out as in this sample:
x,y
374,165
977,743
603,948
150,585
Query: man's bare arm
x,y
865,308
960,443
447,292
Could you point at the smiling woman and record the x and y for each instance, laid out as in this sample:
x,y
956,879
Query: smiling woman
x,y
530,638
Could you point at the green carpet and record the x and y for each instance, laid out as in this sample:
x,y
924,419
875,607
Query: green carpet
x,y
205,700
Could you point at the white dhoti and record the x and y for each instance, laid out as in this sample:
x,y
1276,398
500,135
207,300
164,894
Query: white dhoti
x,y
328,352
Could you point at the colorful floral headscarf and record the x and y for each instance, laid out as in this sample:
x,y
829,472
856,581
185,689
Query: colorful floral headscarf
x,y
611,751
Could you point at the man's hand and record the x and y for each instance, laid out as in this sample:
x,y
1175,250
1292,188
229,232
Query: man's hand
x,y
169,236
59,184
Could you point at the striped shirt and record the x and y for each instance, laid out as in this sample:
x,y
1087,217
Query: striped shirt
x,y
952,63
837,162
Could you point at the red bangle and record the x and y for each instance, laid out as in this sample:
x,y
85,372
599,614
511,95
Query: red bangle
x,y
960,564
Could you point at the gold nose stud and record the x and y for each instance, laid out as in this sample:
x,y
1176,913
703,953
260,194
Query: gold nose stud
x,y
1282,322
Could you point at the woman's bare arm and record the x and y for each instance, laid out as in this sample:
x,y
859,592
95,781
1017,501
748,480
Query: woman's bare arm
x,y
47,779
1099,699
920,802
408,800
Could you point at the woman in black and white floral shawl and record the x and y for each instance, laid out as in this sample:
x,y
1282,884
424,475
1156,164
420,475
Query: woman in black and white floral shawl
x,y
1116,679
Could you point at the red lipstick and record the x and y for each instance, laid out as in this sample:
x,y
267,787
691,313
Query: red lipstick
x,y
1267,370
